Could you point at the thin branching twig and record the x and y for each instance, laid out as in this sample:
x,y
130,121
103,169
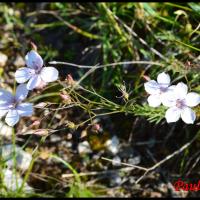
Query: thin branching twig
x,y
147,170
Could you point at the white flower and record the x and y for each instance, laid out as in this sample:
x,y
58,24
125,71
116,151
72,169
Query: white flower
x,y
158,89
180,101
12,107
35,73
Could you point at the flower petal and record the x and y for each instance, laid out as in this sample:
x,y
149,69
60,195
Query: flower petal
x,y
3,112
24,74
4,106
12,117
34,60
163,79
152,87
25,109
154,100
172,114
21,92
42,84
171,88
181,90
34,82
49,74
5,97
168,98
192,99
188,115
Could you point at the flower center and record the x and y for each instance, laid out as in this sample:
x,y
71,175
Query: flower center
x,y
180,103
163,89
37,70
13,104
36,67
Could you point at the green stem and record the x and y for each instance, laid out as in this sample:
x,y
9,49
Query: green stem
x,y
14,156
69,166
52,94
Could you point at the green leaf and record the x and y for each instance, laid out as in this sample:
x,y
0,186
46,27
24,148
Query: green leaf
x,y
195,7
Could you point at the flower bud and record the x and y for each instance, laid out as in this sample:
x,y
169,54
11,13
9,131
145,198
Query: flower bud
x,y
41,105
70,80
146,78
41,132
66,98
96,128
35,123
33,46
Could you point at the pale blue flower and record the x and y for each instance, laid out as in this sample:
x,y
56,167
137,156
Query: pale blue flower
x,y
12,106
35,73
180,103
157,89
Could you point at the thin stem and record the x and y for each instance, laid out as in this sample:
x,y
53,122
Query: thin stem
x,y
14,156
107,65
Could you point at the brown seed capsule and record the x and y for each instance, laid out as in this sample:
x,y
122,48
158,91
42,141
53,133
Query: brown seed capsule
x,y
71,125
83,134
